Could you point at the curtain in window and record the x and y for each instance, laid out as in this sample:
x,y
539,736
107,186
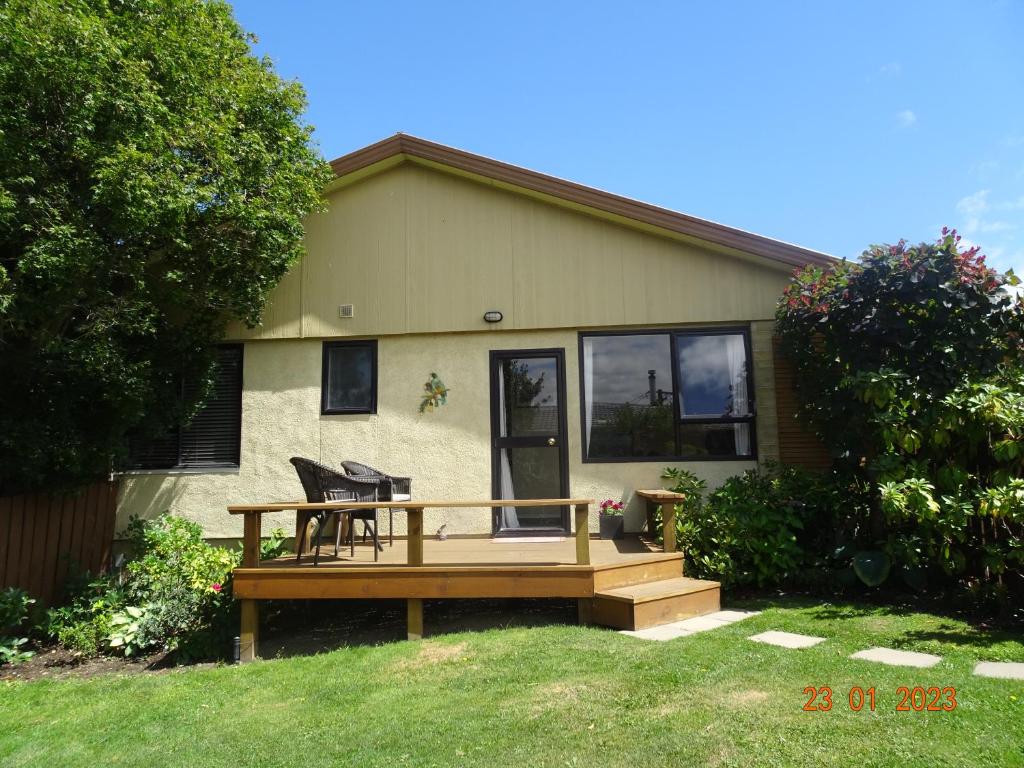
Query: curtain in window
x,y
736,355
509,518
588,389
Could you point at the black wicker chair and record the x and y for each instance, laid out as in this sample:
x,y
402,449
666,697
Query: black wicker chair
x,y
323,484
390,488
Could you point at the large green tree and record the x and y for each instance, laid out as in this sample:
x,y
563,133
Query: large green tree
x,y
154,175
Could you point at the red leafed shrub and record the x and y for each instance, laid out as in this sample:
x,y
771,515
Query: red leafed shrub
x,y
909,367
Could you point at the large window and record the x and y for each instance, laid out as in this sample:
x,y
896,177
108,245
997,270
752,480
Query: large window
x,y
349,377
213,438
666,395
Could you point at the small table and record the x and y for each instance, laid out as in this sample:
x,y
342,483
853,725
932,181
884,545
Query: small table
x,y
667,500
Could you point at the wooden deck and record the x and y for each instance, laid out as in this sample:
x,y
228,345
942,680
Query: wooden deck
x,y
418,568
459,568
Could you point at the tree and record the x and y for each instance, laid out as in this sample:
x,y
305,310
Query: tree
x,y
154,175
909,367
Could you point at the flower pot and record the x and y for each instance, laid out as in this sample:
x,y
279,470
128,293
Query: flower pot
x,y
611,526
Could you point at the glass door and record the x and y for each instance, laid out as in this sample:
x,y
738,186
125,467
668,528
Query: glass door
x,y
529,457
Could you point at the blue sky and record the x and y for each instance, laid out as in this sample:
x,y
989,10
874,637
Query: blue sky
x,y
824,124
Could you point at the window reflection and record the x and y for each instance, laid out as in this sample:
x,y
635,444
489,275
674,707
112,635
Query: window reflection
x,y
630,393
628,396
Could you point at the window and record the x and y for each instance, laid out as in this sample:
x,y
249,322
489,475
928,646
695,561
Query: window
x,y
349,377
214,436
666,394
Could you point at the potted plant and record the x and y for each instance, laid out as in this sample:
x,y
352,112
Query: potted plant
x,y
611,519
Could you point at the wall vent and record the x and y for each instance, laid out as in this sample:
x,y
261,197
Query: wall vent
x,y
346,310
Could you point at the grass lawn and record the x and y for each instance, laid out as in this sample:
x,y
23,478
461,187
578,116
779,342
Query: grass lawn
x,y
549,696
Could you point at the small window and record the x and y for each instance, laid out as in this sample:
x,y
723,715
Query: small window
x,y
663,395
214,436
715,398
349,377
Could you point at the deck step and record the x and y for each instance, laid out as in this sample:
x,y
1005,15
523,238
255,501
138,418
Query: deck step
x,y
657,567
639,606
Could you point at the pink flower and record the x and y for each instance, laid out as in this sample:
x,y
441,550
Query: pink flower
x,y
216,587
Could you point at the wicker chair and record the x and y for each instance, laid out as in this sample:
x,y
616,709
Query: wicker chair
x,y
323,484
390,488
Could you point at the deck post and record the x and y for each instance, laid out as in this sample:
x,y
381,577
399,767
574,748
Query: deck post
x,y
415,535
668,526
250,628
414,618
251,540
585,611
582,534
250,633
414,606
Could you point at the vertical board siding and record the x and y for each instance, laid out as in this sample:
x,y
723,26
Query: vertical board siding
x,y
416,250
797,446
41,535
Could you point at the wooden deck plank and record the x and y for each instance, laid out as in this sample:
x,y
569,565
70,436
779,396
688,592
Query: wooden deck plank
x,y
481,551
416,583
241,509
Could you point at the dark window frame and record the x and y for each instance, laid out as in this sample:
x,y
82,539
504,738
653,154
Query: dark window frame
x,y
178,433
370,344
678,419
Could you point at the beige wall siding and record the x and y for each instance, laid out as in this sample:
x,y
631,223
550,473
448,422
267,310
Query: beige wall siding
x,y
447,452
417,250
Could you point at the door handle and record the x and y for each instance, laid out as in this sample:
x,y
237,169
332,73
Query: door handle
x,y
552,441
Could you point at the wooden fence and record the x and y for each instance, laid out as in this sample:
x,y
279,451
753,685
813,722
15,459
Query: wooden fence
x,y
797,446
42,535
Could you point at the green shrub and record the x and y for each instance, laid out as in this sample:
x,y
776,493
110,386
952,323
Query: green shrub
x,y
84,623
173,595
15,614
180,587
768,527
688,484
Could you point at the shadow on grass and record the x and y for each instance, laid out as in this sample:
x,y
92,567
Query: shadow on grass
x,y
954,635
302,628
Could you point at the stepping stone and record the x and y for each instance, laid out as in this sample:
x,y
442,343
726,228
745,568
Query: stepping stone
x,y
700,623
1007,670
689,626
661,633
730,616
786,639
896,658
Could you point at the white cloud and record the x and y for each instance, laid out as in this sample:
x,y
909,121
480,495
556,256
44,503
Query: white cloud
x,y
984,168
979,218
973,205
1012,205
906,118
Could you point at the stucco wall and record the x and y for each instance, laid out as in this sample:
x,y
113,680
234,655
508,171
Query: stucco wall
x,y
447,452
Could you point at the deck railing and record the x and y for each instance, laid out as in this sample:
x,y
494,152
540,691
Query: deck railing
x,y
414,510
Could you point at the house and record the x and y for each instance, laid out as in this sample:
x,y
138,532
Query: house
x,y
586,341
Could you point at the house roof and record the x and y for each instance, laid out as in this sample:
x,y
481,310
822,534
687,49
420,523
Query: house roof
x,y
402,146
